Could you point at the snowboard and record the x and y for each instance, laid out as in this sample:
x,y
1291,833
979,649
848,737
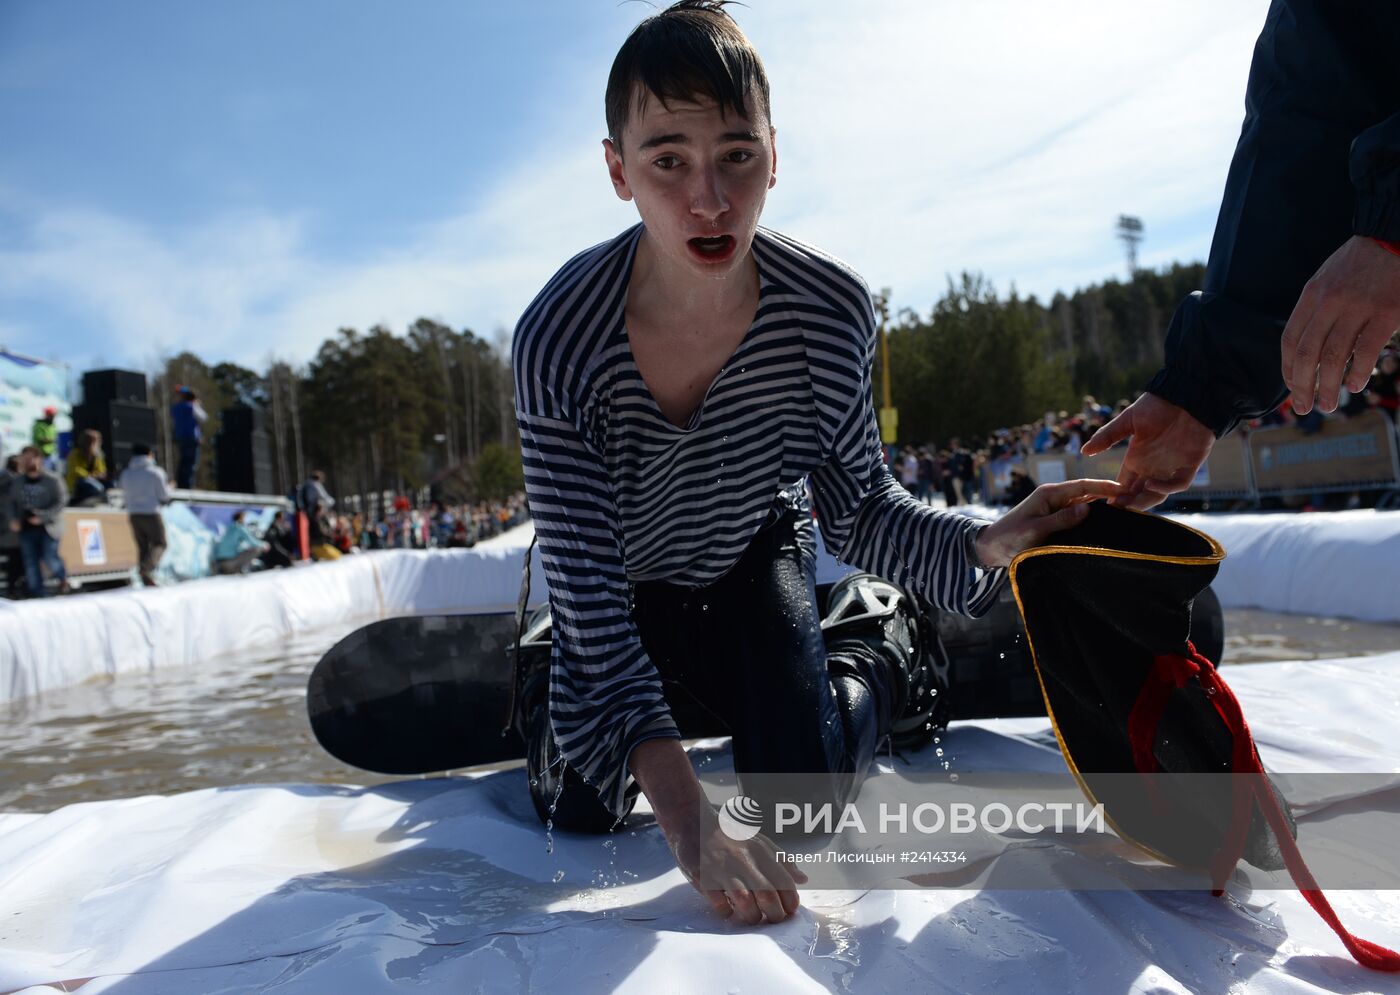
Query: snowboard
x,y
418,694
422,694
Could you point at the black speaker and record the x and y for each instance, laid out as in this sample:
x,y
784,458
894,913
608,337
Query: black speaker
x,y
131,423
243,452
242,420
102,386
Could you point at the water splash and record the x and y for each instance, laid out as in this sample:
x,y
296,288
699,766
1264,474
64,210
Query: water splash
x,y
553,805
837,941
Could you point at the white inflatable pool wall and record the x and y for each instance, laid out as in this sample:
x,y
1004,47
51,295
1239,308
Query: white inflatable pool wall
x,y
51,644
1338,564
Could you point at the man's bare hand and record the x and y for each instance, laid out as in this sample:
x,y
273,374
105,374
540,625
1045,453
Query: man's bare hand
x,y
1346,313
737,878
1165,449
1048,509
742,879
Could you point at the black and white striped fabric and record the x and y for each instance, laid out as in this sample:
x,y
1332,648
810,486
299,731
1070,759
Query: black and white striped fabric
x,y
620,494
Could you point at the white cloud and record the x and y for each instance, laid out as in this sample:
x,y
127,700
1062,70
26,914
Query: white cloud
x,y
915,140
1005,138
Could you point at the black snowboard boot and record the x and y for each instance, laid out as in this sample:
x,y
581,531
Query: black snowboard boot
x,y
561,797
888,620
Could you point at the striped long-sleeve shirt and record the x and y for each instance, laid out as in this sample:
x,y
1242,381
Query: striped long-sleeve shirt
x,y
620,494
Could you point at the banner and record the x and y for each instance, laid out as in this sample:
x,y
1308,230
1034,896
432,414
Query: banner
x,y
1344,453
1225,471
996,477
1051,468
1104,466
27,387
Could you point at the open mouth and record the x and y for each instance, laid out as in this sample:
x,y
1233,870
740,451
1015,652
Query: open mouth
x,y
713,247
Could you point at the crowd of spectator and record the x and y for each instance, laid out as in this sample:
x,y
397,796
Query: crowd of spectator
x,y
954,471
333,534
33,499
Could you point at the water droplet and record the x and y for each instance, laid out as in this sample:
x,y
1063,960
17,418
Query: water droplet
x,y
1002,655
952,777
558,876
938,752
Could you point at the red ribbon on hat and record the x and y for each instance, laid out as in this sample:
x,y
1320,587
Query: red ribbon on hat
x,y
1170,672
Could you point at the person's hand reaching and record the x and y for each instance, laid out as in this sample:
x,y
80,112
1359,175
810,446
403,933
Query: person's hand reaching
x,y
1166,447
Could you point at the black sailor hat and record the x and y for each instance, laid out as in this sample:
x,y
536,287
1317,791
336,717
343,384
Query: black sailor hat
x,y
1107,610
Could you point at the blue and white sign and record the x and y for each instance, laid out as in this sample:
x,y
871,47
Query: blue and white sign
x,y
91,542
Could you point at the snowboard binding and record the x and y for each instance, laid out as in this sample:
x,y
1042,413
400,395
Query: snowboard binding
x,y
888,620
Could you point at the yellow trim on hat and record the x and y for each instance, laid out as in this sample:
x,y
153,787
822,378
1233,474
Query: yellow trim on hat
x,y
1216,556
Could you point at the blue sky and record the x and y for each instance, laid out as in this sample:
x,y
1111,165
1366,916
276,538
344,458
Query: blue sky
x,y
240,179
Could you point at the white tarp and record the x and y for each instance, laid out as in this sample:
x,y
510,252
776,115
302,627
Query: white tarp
x,y
445,885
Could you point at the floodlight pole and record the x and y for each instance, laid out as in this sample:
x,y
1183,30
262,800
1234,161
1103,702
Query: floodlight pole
x,y
1130,231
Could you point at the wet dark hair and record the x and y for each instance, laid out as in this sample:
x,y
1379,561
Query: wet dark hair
x,y
691,49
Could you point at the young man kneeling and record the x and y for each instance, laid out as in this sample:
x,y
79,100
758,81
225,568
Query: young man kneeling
x,y
678,388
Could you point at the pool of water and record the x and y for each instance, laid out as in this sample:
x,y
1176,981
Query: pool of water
x,y
241,721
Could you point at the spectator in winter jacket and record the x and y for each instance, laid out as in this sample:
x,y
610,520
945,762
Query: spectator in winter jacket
x,y
44,434
36,513
237,548
145,490
9,540
279,542
86,469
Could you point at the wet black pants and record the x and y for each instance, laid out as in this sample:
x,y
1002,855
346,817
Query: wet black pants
x,y
745,657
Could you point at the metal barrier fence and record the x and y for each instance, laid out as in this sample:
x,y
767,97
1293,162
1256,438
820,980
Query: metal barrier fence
x,y
1353,454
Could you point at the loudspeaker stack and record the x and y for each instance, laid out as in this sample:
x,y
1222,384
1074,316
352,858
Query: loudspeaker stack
x,y
114,403
243,452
